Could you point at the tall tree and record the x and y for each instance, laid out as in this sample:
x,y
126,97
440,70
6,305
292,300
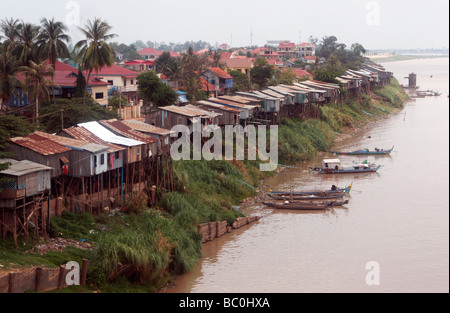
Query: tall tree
x,y
10,29
9,68
154,91
52,41
38,82
94,51
262,72
25,48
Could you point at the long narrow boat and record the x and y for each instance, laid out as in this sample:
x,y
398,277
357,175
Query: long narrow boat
x,y
298,206
307,198
333,190
350,170
333,166
365,152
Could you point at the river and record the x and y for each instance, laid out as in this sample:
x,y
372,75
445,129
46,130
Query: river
x,y
398,217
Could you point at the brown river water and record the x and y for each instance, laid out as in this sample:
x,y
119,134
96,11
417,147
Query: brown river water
x,y
398,217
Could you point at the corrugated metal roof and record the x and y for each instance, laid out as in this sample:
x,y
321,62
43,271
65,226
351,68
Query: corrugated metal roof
x,y
273,94
126,131
108,136
74,143
21,168
190,111
281,91
219,106
40,144
146,128
234,104
264,96
83,134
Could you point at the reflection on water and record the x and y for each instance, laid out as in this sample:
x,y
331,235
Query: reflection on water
x,y
398,217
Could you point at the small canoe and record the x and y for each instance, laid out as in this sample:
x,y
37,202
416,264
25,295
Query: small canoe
x,y
298,206
364,152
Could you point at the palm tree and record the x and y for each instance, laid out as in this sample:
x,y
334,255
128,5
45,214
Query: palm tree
x,y
9,68
37,82
52,41
94,51
26,48
10,29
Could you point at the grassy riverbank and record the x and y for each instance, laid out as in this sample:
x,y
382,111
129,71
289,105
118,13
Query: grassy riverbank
x,y
140,249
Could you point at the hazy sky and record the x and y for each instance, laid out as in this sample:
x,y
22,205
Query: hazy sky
x,y
381,24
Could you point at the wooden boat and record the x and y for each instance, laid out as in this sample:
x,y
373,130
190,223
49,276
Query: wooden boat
x,y
333,190
298,206
307,198
335,167
365,152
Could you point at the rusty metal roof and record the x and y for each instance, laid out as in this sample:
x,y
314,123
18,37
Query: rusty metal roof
x,y
219,106
124,130
146,128
190,111
74,143
40,144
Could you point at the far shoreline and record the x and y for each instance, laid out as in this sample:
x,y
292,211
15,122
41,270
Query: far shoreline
x,y
400,57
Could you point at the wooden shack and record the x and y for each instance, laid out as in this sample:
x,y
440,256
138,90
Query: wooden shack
x,y
133,148
230,116
160,134
23,179
115,152
150,147
86,159
41,150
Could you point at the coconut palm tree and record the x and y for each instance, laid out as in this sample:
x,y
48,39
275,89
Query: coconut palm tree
x,y
38,82
10,29
9,68
94,51
52,41
25,47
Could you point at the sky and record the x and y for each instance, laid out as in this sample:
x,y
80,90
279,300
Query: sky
x,y
380,24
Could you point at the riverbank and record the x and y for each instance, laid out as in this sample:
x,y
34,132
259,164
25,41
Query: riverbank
x,y
400,57
153,245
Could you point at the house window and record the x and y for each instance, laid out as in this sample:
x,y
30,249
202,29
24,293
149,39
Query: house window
x,y
111,82
117,156
95,161
99,95
102,159
132,82
138,151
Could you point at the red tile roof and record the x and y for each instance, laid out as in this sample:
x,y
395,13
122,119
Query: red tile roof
x,y
114,70
240,63
301,73
287,44
157,53
220,72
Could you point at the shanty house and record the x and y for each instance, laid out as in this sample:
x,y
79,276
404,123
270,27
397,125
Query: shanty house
x,y
133,148
115,152
86,159
160,134
41,150
230,116
24,179
119,128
